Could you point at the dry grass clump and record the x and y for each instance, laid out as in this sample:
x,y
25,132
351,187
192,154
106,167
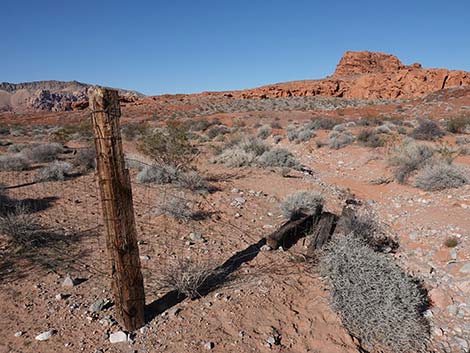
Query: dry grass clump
x,y
324,123
301,203
177,207
277,139
378,303
158,174
187,276
20,228
338,140
216,131
235,157
55,171
441,175
408,158
192,181
134,130
370,138
264,132
43,153
427,130
85,159
458,124
14,162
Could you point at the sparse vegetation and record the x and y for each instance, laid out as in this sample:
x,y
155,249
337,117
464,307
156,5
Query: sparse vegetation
x,y
176,207
55,171
169,146
278,157
85,159
427,130
378,303
408,158
440,176
192,181
339,140
187,277
370,138
43,153
451,242
300,203
458,124
264,132
158,174
14,162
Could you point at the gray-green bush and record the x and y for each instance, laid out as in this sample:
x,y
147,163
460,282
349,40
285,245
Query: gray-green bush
x,y
440,176
14,162
300,203
55,171
378,303
408,158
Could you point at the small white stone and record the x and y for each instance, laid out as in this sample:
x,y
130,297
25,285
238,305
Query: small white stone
x,y
209,345
45,335
19,334
68,282
118,337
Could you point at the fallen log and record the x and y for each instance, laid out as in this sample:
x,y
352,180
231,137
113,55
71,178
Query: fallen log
x,y
322,232
291,231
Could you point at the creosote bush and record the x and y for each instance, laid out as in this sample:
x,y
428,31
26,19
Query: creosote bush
x,y
441,175
427,130
300,203
55,171
169,146
85,159
408,158
43,153
14,162
158,174
378,303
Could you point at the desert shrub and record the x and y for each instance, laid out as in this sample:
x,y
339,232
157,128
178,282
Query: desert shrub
x,y
384,128
300,203
134,130
177,207
427,130
158,174
340,127
325,123
218,130
276,125
440,176
19,226
85,159
192,181
18,147
339,140
235,157
366,226
187,276
458,124
43,153
279,157
305,135
462,140
257,125
16,162
369,138
169,146
82,130
199,125
55,171
277,139
378,303
4,130
264,132
253,145
292,135
409,157
451,242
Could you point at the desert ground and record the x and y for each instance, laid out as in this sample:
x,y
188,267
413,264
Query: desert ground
x,y
208,204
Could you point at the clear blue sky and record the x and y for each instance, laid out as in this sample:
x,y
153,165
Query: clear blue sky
x,y
177,46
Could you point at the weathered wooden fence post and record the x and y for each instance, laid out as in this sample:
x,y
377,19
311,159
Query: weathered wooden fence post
x,y
118,210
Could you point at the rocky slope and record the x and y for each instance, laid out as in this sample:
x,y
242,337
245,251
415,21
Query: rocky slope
x,y
49,96
365,75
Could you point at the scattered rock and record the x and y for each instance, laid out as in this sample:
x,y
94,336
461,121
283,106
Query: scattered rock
x,y
99,305
19,334
209,345
144,257
69,282
118,337
266,248
45,335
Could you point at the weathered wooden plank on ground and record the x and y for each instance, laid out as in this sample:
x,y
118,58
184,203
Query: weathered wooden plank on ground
x,y
322,232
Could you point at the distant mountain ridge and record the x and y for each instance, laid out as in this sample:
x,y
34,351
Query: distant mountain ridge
x,y
51,96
